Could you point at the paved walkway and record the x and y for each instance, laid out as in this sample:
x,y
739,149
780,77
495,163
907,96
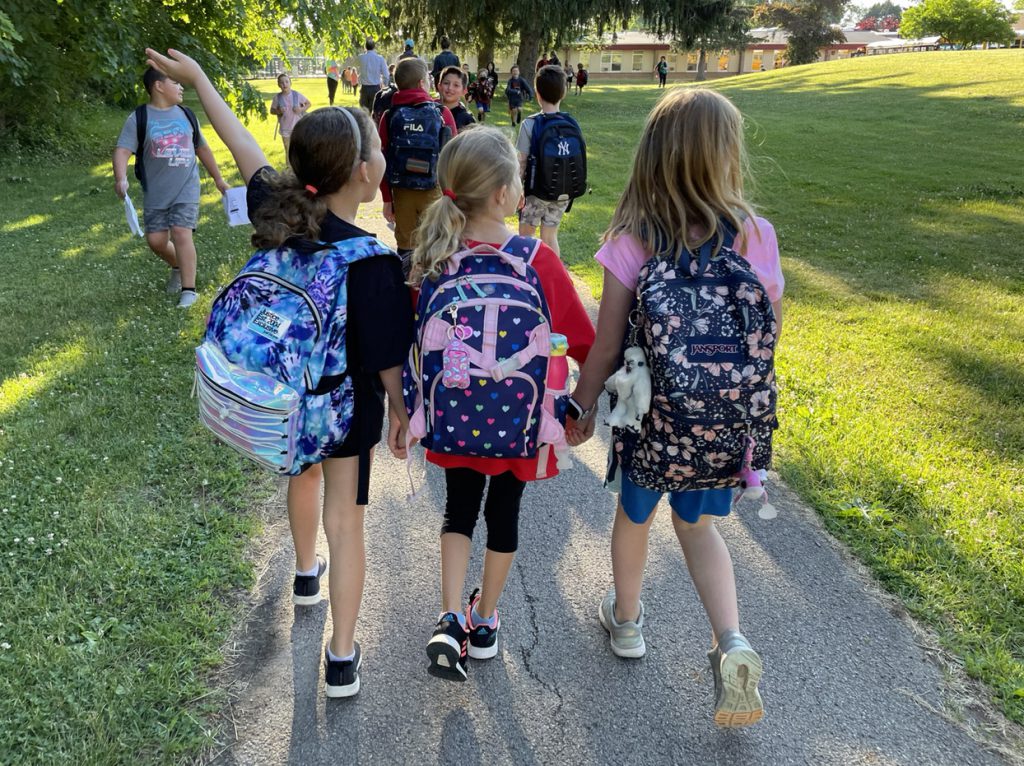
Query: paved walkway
x,y
845,682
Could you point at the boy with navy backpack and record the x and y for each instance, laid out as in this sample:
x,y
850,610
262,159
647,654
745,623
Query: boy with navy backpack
x,y
553,159
165,138
412,132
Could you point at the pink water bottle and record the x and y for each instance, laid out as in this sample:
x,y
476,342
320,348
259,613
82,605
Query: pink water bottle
x,y
557,386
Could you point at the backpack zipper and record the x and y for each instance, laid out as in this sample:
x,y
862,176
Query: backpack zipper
x,y
472,282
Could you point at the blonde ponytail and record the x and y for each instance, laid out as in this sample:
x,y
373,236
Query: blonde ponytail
x,y
472,166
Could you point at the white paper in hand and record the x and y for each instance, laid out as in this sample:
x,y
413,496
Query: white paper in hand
x,y
235,206
132,217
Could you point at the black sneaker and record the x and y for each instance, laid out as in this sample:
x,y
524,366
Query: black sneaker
x,y
447,649
483,639
342,676
306,590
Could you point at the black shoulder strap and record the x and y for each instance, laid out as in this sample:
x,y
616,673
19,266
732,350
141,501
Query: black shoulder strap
x,y
141,116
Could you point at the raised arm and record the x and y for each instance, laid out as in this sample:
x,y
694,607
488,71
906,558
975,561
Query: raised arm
x,y
248,154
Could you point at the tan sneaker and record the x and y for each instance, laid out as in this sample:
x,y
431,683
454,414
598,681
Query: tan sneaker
x,y
736,668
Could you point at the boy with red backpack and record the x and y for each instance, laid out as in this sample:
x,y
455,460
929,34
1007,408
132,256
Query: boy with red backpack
x,y
412,133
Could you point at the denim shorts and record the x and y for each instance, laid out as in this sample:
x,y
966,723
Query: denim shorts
x,y
183,214
482,107
639,503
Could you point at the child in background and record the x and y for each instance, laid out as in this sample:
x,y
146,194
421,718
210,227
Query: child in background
x,y
166,145
481,92
541,212
581,78
517,89
336,166
686,185
333,75
479,173
452,87
412,133
289,105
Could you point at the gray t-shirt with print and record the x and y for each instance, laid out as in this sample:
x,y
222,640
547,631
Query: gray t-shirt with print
x,y
172,173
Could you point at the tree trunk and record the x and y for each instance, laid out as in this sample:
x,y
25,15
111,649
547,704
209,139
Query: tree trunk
x,y
529,51
702,66
741,51
484,54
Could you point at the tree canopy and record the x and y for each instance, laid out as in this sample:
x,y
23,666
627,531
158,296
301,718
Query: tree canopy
x,y
56,53
808,22
962,22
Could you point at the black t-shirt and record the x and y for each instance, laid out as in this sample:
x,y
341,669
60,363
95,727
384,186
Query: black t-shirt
x,y
379,325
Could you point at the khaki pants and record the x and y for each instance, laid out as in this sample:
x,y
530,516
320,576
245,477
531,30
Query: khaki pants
x,y
409,205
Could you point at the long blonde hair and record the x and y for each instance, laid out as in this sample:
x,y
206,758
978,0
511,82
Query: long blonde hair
x,y
472,166
688,173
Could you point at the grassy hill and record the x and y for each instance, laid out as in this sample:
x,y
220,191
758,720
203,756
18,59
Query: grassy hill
x,y
894,185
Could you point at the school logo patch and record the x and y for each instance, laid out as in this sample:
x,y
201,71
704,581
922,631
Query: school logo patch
x,y
269,324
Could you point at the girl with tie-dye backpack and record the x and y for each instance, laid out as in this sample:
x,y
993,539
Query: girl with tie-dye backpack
x,y
693,284
493,309
322,308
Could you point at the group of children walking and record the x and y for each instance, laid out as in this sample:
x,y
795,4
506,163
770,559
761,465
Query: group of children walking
x,y
477,285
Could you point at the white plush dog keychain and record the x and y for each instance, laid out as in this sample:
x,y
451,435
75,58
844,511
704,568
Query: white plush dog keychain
x,y
632,384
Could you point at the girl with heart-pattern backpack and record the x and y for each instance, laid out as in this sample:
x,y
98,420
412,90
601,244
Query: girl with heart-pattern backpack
x,y
491,372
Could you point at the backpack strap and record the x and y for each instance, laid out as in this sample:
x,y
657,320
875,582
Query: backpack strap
x,y
141,118
522,247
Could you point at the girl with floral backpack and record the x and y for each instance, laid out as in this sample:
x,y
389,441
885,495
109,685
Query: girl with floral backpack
x,y
692,286
495,311
304,226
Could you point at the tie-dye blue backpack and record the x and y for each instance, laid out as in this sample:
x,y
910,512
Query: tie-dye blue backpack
x,y
270,373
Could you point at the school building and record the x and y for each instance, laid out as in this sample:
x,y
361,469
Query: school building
x,y
633,55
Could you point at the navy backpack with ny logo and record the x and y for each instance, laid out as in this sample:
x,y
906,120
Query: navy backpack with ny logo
x,y
556,169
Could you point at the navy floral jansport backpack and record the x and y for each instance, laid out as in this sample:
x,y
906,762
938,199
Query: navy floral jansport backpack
x,y
708,329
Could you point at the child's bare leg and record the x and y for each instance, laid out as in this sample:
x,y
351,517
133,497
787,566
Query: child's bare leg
x,y
549,234
343,524
629,557
496,568
160,243
185,249
710,565
304,515
526,230
455,550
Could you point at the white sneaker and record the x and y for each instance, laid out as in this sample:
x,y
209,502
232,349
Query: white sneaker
x,y
174,282
627,638
188,297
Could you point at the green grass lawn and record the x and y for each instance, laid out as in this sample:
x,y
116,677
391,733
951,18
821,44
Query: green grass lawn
x,y
893,183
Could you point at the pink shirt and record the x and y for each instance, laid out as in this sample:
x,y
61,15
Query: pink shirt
x,y
624,256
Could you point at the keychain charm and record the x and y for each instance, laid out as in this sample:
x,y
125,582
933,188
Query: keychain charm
x,y
455,359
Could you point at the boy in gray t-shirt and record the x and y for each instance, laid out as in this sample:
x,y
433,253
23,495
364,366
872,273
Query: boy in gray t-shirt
x,y
170,198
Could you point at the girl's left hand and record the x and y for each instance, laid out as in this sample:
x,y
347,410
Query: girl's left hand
x,y
398,429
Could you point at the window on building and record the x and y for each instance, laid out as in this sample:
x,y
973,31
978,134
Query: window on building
x,y
723,61
758,62
638,62
611,62
691,61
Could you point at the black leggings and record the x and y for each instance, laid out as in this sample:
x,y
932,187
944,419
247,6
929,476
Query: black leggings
x,y
501,511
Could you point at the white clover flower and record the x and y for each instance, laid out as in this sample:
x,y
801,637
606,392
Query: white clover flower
x,y
5,646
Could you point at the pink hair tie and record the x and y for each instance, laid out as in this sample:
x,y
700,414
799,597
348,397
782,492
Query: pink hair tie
x,y
312,190
450,194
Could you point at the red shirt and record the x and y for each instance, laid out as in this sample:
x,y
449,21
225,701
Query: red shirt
x,y
404,98
568,318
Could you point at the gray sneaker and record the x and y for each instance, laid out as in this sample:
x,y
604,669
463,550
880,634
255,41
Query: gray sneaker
x,y
736,668
188,297
627,638
174,282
